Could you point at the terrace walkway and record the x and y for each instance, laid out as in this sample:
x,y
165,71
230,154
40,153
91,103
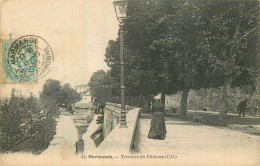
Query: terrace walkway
x,y
196,144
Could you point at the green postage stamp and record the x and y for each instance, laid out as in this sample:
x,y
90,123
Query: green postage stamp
x,y
26,59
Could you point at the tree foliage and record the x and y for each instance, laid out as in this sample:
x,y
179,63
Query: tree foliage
x,y
175,46
68,95
103,87
231,41
11,118
28,123
24,125
58,95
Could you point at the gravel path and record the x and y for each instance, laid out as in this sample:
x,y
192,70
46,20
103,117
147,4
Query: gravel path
x,y
195,144
66,136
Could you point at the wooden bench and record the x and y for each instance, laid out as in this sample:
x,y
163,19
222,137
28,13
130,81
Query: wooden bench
x,y
198,118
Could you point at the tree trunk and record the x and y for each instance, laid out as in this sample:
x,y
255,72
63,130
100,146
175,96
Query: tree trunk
x,y
224,103
183,105
140,101
163,96
210,102
249,98
135,102
149,103
129,100
207,98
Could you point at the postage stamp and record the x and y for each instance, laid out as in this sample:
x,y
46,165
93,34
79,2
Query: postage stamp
x,y
26,60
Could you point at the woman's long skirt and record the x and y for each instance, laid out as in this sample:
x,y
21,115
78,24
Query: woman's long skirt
x,y
157,127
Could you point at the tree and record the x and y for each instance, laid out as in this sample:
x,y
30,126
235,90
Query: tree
x,y
11,120
27,124
194,44
51,90
175,46
68,95
231,43
178,41
102,86
165,57
50,97
145,68
18,116
57,95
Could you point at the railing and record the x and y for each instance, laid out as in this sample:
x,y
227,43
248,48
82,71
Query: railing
x,y
117,107
114,108
112,132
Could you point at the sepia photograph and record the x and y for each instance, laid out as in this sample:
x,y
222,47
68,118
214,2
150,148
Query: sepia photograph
x,y
129,82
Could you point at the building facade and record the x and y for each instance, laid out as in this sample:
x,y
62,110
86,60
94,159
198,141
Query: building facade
x,y
84,88
85,102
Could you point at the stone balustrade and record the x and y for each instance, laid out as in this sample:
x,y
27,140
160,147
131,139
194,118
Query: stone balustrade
x,y
116,139
112,115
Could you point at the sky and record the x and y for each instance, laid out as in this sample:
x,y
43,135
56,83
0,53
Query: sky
x,y
77,31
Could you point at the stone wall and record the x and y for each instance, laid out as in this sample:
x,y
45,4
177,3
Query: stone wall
x,y
112,116
118,140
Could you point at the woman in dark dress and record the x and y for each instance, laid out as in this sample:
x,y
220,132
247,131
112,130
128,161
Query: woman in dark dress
x,y
157,127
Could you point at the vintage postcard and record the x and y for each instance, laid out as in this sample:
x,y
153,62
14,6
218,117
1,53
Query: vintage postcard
x,y
129,82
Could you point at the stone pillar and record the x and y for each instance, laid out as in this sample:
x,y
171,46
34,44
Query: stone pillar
x,y
80,146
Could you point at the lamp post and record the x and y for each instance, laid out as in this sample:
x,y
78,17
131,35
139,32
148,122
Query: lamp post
x,y
120,9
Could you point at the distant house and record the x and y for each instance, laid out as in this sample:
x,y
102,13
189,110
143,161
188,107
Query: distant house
x,y
85,102
86,97
82,88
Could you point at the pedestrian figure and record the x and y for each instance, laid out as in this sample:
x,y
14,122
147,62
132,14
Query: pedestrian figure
x,y
173,111
256,106
242,107
157,127
102,105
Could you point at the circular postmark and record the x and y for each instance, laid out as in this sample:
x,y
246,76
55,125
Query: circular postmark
x,y
30,58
